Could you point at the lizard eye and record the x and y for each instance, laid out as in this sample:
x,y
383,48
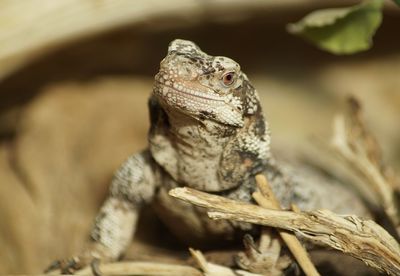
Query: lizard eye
x,y
228,78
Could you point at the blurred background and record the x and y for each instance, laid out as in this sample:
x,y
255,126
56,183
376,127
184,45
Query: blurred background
x,y
75,77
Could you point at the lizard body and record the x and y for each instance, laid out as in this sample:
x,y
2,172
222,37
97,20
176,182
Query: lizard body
x,y
207,132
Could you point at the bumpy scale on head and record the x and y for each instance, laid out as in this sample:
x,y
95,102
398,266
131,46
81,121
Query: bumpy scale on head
x,y
200,85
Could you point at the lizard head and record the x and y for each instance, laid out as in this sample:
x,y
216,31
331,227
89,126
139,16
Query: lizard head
x,y
204,87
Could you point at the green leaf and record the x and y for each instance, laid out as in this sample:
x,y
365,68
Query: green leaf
x,y
341,30
397,2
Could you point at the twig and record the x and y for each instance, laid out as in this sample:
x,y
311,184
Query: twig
x,y
142,268
362,239
359,149
211,269
264,198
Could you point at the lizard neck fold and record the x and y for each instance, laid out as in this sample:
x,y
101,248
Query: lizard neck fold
x,y
192,151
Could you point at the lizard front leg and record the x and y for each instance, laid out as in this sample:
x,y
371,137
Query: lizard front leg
x,y
132,186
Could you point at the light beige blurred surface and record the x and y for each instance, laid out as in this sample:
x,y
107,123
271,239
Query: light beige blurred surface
x,y
71,112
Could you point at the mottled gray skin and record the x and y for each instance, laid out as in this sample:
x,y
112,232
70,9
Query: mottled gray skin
x,y
207,132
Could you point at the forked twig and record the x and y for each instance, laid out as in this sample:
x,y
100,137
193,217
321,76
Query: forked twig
x,y
142,268
356,146
362,239
210,269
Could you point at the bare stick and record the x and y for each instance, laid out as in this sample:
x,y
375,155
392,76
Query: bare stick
x,y
264,198
211,269
142,268
362,239
356,146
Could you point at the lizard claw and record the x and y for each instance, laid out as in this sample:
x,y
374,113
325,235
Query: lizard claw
x,y
90,256
67,266
95,267
263,258
53,266
250,245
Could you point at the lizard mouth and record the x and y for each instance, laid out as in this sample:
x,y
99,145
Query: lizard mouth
x,y
195,100
177,92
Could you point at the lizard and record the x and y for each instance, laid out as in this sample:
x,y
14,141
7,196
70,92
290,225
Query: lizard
x,y
208,132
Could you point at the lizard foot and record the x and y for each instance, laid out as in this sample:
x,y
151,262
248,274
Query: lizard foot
x,y
72,265
264,258
66,266
91,256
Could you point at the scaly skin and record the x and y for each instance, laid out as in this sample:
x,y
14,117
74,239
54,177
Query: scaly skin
x,y
207,132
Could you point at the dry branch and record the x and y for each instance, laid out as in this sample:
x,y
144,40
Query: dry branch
x,y
142,268
354,144
265,197
211,269
362,239
29,29
53,23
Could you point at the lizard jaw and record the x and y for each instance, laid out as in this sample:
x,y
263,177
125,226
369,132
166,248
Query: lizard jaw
x,y
196,103
175,91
